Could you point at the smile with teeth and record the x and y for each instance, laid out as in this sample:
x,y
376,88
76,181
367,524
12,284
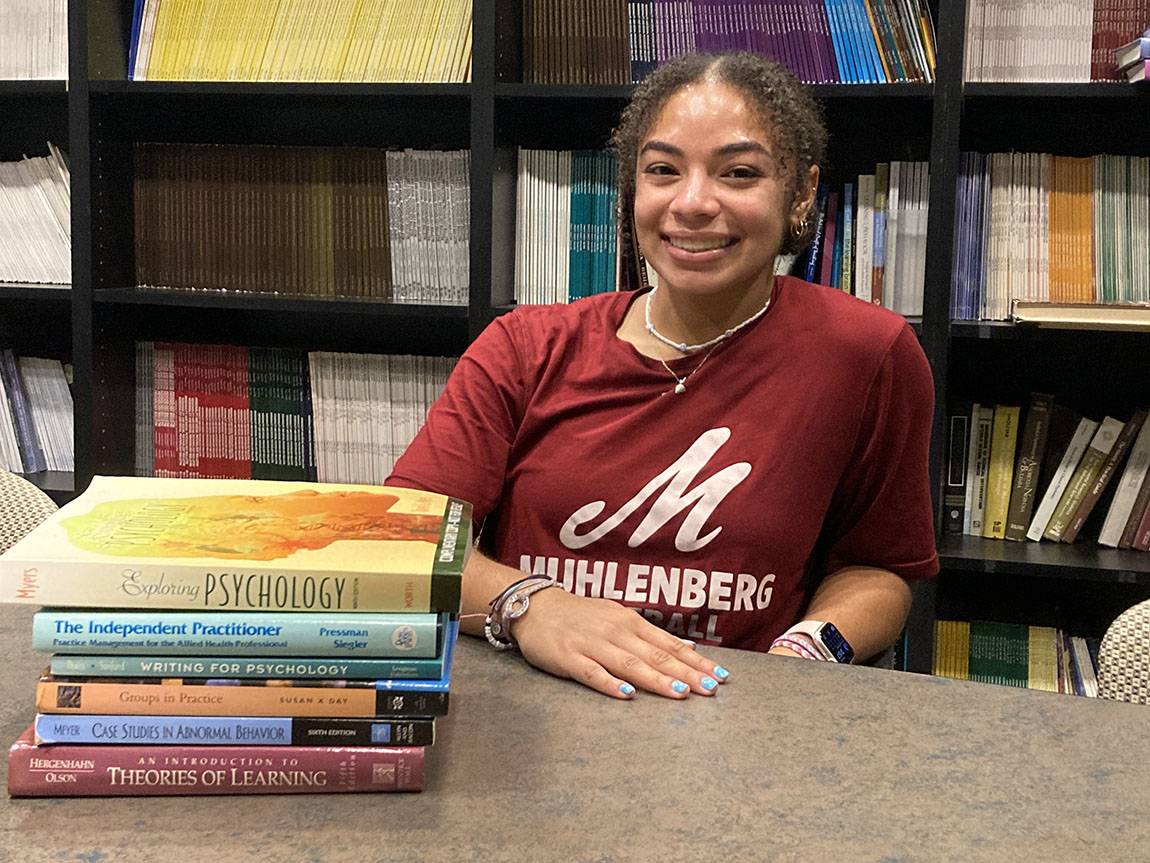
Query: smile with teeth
x,y
689,245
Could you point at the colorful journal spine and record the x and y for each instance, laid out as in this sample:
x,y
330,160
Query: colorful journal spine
x,y
237,633
305,668
232,731
72,770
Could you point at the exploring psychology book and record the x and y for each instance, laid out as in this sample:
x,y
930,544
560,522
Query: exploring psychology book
x,y
254,545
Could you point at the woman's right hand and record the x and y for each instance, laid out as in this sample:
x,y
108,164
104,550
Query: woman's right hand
x,y
610,648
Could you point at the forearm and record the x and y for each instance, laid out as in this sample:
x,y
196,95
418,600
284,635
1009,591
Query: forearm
x,y
483,580
869,606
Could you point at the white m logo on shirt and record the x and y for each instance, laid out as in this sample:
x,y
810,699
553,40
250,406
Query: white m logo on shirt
x,y
704,498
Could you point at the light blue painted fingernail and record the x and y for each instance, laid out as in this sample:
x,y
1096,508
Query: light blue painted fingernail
x,y
721,672
679,686
627,689
709,683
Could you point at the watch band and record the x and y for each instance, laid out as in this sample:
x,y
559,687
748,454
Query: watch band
x,y
827,640
511,605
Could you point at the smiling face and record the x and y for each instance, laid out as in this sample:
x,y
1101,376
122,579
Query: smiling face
x,y
711,206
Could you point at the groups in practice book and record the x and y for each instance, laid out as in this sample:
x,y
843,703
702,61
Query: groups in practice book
x,y
256,545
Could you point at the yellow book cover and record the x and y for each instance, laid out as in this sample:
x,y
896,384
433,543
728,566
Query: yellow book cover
x,y
300,30
210,19
329,58
1042,659
261,545
455,70
433,71
230,23
278,41
1003,440
425,42
255,64
188,26
962,649
315,39
360,40
162,41
380,46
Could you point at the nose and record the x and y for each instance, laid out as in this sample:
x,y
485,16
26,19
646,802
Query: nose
x,y
695,196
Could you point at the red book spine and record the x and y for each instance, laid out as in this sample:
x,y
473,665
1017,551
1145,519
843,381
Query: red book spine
x,y
70,770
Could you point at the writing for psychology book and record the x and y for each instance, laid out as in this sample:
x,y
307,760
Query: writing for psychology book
x,y
259,545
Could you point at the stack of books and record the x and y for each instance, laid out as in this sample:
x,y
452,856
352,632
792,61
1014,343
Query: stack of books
x,y
1012,654
237,636
1049,473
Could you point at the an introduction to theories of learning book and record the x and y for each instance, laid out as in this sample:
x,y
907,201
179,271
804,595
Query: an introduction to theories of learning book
x,y
258,545
76,770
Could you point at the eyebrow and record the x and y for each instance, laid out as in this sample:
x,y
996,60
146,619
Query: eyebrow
x,y
725,150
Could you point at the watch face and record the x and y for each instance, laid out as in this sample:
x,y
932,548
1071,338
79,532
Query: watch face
x,y
836,644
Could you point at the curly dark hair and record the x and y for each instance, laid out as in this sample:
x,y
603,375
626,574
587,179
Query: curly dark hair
x,y
783,105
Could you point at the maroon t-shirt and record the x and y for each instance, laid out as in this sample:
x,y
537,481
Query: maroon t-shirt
x,y
799,447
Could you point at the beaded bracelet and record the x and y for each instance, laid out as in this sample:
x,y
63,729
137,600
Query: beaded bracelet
x,y
799,647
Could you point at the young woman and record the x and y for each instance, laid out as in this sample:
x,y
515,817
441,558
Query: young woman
x,y
717,460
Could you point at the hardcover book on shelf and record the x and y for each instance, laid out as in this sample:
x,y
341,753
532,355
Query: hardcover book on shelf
x,y
1068,459
978,471
1083,477
78,770
1004,439
1114,460
954,495
259,545
1121,512
1031,449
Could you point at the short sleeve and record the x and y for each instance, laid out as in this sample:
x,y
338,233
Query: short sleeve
x,y
462,449
881,514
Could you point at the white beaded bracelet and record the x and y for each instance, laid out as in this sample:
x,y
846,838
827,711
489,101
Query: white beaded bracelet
x,y
802,649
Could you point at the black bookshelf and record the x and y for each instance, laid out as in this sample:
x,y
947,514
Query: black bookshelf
x,y
100,115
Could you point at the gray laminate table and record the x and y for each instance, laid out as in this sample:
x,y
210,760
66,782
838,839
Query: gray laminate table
x,y
792,761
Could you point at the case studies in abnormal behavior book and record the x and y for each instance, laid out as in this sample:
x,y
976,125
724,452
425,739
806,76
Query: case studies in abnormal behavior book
x,y
256,545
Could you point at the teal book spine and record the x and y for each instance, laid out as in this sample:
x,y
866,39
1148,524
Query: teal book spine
x,y
149,633
238,667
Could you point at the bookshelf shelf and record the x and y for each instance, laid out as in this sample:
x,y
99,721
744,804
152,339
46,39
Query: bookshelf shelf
x,y
208,299
35,293
57,483
1080,561
278,89
1117,91
28,87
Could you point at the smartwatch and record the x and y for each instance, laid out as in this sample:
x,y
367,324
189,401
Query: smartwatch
x,y
828,641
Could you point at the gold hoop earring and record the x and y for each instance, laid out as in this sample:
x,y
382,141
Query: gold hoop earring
x,y
797,231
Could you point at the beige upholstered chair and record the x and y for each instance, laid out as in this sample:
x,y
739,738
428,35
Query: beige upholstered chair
x,y
22,507
1124,657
